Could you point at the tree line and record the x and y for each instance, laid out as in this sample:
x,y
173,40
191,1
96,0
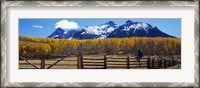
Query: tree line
x,y
149,45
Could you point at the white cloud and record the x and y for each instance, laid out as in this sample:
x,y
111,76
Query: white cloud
x,y
37,26
65,24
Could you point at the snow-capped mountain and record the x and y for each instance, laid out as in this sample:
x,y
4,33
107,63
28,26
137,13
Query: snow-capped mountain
x,y
137,29
87,32
102,30
99,31
59,33
111,30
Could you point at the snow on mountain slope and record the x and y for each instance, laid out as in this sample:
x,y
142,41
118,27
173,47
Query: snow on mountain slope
x,y
102,30
137,29
111,30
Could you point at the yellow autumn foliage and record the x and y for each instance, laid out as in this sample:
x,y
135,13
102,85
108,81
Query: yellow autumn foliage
x,y
150,46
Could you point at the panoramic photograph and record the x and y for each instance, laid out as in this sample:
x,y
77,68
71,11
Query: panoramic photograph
x,y
100,43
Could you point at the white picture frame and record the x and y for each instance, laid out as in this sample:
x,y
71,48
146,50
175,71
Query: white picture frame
x,y
51,4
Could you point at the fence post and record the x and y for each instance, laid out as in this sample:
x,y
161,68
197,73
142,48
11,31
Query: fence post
x,y
176,62
27,56
165,63
128,62
42,61
81,58
105,60
78,59
173,62
159,63
153,63
169,63
148,63
81,55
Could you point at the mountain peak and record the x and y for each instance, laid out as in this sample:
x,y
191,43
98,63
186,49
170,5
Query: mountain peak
x,y
137,29
110,23
129,22
58,33
59,29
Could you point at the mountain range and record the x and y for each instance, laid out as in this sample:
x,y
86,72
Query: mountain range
x,y
111,30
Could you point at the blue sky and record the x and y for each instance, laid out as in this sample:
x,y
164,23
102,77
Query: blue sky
x,y
44,27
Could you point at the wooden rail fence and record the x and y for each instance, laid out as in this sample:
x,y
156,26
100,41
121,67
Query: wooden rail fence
x,y
105,62
96,63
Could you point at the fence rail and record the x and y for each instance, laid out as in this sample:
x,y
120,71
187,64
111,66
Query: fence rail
x,y
46,61
103,63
